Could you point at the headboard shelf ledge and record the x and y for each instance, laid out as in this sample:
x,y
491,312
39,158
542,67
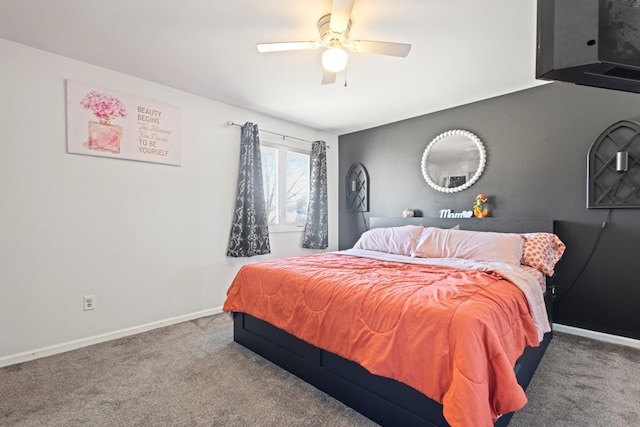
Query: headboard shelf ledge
x,y
505,225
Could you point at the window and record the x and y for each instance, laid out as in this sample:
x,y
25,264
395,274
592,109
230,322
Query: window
x,y
285,171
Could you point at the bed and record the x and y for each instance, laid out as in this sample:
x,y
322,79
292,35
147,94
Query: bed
x,y
392,389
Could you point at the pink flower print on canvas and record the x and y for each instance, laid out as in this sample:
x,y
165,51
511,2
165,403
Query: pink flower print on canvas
x,y
104,136
104,106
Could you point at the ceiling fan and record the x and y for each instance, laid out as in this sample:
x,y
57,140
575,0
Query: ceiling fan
x,y
334,36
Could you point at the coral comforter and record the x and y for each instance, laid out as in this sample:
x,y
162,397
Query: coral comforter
x,y
452,334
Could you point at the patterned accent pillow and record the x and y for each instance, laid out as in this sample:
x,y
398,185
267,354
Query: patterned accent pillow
x,y
542,251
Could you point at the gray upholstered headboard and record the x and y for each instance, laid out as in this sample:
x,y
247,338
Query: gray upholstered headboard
x,y
505,225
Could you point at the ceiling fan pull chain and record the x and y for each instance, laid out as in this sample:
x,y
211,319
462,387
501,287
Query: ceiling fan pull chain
x,y
345,77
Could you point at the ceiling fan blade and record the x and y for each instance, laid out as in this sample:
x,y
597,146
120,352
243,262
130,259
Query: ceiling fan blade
x,y
381,48
282,46
328,77
340,15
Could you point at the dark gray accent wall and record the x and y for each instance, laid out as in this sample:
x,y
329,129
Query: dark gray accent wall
x,y
537,142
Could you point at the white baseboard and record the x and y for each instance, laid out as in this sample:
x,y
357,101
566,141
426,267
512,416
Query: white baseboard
x,y
600,336
84,342
75,344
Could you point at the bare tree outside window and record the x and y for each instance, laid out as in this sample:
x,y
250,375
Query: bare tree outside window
x,y
286,184
297,187
270,180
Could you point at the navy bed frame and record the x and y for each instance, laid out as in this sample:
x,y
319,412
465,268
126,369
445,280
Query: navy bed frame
x,y
383,400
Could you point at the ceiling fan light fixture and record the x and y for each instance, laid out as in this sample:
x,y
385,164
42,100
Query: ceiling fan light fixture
x,y
334,31
334,59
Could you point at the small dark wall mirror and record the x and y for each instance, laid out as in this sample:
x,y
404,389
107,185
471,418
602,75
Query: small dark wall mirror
x,y
357,188
453,161
613,168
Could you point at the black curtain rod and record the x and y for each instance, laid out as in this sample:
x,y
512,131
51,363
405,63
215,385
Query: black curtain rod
x,y
230,123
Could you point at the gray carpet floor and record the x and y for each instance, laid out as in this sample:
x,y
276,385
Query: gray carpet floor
x,y
193,374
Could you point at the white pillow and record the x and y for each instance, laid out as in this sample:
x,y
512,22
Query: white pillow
x,y
475,245
392,240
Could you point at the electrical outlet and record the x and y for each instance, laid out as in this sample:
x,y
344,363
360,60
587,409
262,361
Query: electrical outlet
x,y
89,302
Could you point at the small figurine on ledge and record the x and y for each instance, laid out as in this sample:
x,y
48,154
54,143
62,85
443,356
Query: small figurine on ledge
x,y
480,209
407,213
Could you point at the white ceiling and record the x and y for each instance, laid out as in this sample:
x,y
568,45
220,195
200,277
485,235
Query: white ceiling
x,y
462,51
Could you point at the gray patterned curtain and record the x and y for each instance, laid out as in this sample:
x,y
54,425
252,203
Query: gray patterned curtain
x,y
316,230
250,228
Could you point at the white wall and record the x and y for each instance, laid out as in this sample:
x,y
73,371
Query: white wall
x,y
148,240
